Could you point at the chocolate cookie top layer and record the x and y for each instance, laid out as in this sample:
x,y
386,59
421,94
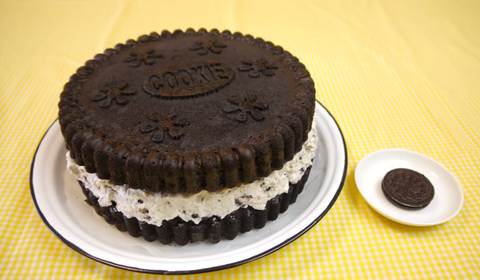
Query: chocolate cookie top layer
x,y
186,111
408,188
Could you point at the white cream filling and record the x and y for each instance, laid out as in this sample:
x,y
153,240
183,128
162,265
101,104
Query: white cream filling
x,y
153,208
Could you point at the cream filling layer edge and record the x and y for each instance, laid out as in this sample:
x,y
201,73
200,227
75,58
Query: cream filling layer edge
x,y
154,208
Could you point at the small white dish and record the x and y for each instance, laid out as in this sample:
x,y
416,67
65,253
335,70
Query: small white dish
x,y
446,203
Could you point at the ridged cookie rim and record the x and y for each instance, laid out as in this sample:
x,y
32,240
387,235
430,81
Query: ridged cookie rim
x,y
193,171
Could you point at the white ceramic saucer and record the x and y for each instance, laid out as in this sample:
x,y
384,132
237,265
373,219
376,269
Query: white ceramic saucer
x,y
446,203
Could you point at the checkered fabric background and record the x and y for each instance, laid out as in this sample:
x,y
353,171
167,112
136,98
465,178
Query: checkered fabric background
x,y
394,74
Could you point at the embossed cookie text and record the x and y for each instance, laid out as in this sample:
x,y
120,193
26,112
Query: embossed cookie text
x,y
188,79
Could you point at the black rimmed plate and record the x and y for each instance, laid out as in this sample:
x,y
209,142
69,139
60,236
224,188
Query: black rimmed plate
x,y
60,203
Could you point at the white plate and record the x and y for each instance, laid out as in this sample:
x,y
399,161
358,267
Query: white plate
x,y
60,203
446,203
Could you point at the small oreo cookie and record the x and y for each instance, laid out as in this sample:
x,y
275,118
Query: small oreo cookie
x,y
408,188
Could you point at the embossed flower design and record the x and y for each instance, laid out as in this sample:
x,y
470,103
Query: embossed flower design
x,y
249,104
164,124
258,67
109,94
208,46
147,57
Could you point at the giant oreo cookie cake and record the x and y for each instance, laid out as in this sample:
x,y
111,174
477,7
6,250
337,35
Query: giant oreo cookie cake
x,y
191,135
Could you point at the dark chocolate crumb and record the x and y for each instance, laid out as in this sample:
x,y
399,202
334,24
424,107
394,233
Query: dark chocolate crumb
x,y
139,201
194,215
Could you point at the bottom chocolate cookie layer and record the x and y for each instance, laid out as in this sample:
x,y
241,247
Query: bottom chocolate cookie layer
x,y
212,229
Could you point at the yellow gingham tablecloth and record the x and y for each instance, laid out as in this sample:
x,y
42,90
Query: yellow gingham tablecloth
x,y
394,74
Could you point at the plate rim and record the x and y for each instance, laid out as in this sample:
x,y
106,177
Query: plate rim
x,y
271,250
406,222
